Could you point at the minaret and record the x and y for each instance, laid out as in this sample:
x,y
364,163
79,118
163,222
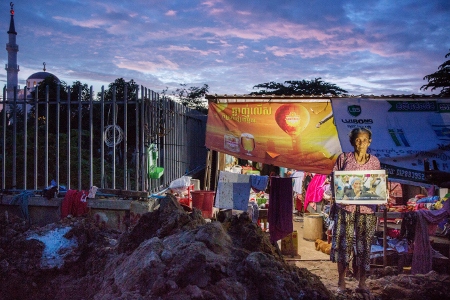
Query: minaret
x,y
12,68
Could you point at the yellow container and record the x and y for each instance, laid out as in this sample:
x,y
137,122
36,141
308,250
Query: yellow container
x,y
289,244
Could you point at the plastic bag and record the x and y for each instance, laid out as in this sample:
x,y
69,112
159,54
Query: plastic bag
x,y
183,181
180,185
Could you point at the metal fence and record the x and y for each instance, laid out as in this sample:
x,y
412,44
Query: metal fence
x,y
140,142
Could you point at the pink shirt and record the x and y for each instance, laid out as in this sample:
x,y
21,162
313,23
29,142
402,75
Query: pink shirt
x,y
348,162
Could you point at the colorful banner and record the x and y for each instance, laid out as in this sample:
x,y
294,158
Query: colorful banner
x,y
406,133
298,134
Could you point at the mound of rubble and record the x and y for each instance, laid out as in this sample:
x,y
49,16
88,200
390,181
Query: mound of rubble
x,y
411,287
169,254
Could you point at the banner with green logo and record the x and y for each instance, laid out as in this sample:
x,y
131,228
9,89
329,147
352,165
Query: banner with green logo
x,y
406,133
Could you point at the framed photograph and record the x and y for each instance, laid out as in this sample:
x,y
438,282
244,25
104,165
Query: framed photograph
x,y
360,187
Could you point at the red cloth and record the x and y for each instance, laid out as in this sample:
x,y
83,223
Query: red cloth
x,y
74,203
298,202
315,190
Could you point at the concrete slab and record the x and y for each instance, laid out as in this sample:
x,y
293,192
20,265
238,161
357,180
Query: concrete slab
x,y
111,212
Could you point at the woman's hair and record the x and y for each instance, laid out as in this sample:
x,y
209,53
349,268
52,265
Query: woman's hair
x,y
356,131
354,179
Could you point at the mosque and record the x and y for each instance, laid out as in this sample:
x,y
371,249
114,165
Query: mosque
x,y
12,68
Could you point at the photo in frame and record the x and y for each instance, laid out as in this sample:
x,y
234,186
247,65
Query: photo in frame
x,y
366,187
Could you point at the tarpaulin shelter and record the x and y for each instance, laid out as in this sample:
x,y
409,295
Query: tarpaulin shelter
x,y
308,132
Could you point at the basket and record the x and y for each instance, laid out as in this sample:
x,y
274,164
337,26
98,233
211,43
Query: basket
x,y
156,173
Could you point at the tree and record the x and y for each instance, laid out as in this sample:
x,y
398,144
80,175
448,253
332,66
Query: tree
x,y
119,84
52,83
302,87
439,79
192,97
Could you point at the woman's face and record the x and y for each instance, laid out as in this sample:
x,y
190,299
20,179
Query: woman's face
x,y
356,185
362,142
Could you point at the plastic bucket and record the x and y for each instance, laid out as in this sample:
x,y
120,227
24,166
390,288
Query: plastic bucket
x,y
312,227
203,200
196,183
237,169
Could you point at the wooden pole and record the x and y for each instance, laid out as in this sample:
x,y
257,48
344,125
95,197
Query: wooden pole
x,y
207,171
385,237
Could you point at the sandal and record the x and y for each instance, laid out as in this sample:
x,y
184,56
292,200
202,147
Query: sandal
x,y
365,292
341,291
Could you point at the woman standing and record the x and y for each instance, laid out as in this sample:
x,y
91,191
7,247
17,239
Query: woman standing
x,y
354,224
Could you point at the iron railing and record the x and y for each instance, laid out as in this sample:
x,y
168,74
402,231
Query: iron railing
x,y
111,143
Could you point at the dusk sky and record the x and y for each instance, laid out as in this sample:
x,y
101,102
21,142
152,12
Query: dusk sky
x,y
365,47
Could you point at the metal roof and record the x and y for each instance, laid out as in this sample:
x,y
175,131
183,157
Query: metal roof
x,y
225,98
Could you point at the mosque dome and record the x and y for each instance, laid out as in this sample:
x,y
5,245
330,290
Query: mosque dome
x,y
41,76
37,77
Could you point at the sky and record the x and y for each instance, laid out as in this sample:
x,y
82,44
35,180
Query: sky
x,y
371,47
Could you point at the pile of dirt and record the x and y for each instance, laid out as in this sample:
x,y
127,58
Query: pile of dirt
x,y
412,287
172,254
169,254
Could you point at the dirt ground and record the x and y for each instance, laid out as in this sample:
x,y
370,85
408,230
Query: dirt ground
x,y
315,261
173,254
383,283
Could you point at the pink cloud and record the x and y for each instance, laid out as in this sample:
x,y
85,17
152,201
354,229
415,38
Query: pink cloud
x,y
171,13
93,23
187,49
145,66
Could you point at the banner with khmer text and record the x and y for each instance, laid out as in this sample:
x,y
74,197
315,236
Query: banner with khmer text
x,y
299,135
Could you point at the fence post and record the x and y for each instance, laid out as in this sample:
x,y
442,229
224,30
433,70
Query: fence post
x,y
58,119
47,100
102,146
80,130
91,139
25,138
4,139
69,116
36,137
125,137
14,162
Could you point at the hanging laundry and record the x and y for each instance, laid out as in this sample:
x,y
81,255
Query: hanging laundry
x,y
422,260
258,182
315,191
233,191
298,177
280,208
